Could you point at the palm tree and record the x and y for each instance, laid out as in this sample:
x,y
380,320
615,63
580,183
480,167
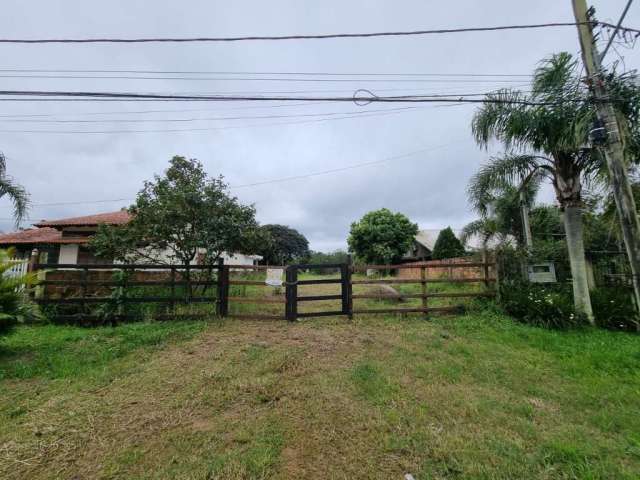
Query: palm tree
x,y
501,213
545,134
16,193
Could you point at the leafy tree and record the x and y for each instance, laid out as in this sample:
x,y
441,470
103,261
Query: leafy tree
x,y
382,236
15,304
319,258
447,245
15,192
178,216
283,245
337,256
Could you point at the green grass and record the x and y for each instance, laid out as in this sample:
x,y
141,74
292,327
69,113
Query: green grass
x,y
471,397
51,351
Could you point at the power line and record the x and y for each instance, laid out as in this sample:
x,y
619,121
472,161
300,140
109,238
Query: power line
x,y
617,28
258,79
304,37
357,97
340,169
144,112
228,127
270,181
251,117
29,119
453,93
209,72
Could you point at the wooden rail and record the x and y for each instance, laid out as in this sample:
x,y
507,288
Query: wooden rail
x,y
186,284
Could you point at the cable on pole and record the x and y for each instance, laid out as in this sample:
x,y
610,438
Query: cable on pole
x,y
617,29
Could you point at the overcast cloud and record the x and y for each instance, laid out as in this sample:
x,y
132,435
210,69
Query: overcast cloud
x,y
429,187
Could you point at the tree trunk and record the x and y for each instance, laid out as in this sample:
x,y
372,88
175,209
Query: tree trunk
x,y
575,246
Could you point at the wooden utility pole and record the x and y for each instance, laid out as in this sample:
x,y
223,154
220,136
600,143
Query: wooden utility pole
x,y
614,146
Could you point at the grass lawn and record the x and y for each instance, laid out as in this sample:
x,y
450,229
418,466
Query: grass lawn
x,y
475,396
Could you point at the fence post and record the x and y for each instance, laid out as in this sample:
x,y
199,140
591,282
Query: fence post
x,y
173,290
485,266
83,288
497,274
423,284
291,293
123,297
187,271
223,288
345,277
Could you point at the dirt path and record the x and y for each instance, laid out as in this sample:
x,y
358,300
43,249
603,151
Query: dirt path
x,y
272,391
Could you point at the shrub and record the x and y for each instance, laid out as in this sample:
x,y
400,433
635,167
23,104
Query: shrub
x,y
447,246
613,309
544,306
15,305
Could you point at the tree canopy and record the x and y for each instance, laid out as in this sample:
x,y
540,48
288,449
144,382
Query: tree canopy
x,y
382,236
447,246
179,215
283,245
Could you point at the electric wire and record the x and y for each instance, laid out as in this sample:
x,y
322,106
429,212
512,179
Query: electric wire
x,y
270,181
228,98
306,37
364,114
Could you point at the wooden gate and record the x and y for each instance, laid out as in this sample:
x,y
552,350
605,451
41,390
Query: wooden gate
x,y
292,298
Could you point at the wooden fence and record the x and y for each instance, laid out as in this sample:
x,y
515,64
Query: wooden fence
x,y
119,287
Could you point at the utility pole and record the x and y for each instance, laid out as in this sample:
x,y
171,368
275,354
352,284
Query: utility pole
x,y
614,144
526,226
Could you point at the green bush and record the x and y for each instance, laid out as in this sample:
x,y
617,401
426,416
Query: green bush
x,y
551,306
544,306
15,305
613,309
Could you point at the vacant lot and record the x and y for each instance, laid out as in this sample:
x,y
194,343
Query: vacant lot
x,y
469,397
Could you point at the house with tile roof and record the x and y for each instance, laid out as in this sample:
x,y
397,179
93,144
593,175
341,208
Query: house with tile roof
x,y
65,241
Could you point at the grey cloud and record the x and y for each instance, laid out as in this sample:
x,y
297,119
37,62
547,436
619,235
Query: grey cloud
x,y
428,187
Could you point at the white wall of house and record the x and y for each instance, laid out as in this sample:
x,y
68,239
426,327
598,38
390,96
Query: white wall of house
x,y
68,254
165,257
240,259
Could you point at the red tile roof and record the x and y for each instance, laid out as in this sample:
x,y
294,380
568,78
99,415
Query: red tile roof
x,y
38,235
112,218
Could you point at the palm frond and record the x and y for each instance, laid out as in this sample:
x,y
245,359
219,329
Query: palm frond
x,y
498,174
503,119
557,78
16,193
486,228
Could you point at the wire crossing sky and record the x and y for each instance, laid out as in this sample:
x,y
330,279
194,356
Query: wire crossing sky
x,y
324,36
294,151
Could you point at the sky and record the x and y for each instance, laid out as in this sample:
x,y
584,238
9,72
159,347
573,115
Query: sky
x,y
417,160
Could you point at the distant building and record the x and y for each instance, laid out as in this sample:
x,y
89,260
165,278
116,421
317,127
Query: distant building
x,y
425,241
64,241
